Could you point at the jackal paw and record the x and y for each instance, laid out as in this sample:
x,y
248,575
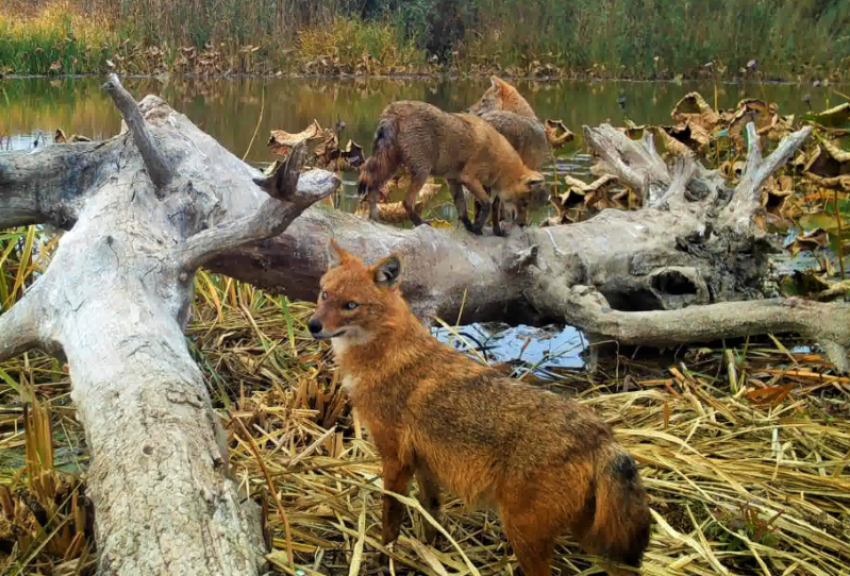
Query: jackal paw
x,y
419,221
429,534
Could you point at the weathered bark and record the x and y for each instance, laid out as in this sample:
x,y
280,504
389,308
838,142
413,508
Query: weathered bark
x,y
144,209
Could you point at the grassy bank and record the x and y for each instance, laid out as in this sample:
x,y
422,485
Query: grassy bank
x,y
640,39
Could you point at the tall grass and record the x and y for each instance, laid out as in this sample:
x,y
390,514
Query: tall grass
x,y
646,38
611,38
55,39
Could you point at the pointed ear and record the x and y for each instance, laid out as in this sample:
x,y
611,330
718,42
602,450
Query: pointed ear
x,y
497,82
387,272
336,255
534,179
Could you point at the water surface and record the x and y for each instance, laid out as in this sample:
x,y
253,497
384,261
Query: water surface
x,y
229,109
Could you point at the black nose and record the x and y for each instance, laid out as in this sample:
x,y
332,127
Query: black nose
x,y
315,326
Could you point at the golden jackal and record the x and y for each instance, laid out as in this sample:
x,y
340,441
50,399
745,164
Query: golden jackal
x,y
462,148
547,463
502,96
504,108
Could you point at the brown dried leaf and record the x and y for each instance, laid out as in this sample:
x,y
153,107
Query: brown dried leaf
x,y
579,195
633,131
695,111
674,146
281,142
835,183
394,212
557,133
772,396
837,154
774,194
828,166
809,241
780,127
749,110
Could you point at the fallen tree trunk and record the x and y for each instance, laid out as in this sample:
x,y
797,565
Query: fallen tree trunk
x,y
697,243
145,209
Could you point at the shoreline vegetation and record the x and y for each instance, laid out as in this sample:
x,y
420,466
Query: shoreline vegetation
x,y
637,40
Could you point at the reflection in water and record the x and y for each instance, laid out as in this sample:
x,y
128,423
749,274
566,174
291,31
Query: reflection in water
x,y
228,109
525,347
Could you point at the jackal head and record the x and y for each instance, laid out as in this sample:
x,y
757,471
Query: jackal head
x,y
491,100
518,198
356,300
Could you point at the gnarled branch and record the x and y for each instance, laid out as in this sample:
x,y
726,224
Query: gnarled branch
x,y
634,163
746,203
586,309
19,329
158,168
49,185
291,193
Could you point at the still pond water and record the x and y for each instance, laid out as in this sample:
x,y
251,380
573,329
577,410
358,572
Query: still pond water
x,y
228,110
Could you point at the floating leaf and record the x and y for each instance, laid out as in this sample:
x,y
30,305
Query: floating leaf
x,y
557,133
693,109
281,142
808,242
836,118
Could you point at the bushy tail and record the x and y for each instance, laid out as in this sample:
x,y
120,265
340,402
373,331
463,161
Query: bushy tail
x,y
621,525
385,158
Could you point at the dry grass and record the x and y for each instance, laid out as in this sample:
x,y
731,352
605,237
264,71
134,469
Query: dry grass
x,y
746,465
719,468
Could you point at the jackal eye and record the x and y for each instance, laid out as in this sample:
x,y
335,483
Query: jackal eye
x,y
324,294
350,305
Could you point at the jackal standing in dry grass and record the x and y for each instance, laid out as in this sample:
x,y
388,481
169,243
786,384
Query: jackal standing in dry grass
x,y
547,463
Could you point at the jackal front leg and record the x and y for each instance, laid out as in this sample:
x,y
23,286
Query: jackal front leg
x,y
460,203
429,498
396,479
417,182
372,199
497,217
478,191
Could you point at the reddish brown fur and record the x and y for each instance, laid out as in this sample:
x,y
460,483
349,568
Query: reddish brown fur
x,y
502,96
462,148
504,108
526,135
547,463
